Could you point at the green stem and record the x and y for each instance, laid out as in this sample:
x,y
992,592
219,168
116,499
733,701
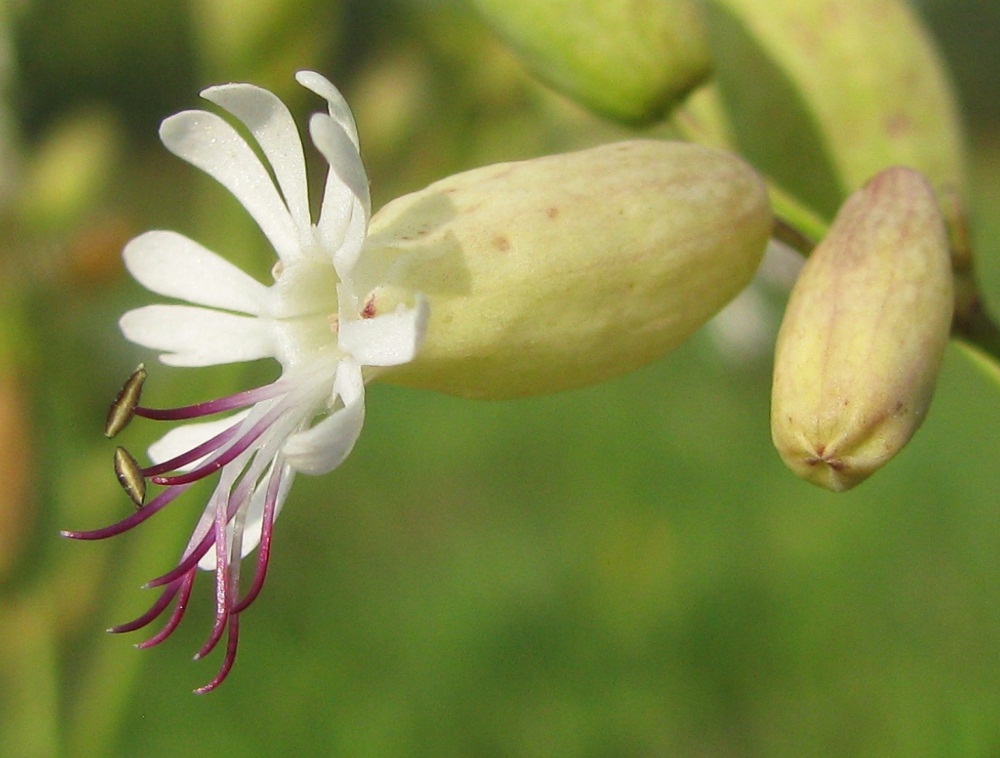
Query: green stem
x,y
796,225
979,334
973,328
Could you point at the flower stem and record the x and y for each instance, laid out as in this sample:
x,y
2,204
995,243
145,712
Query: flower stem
x,y
796,225
973,328
979,334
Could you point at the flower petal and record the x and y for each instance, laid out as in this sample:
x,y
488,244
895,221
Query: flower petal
x,y
171,264
198,336
346,208
339,110
325,446
352,240
206,141
386,340
272,125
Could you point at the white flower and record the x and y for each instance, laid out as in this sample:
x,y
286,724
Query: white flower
x,y
314,320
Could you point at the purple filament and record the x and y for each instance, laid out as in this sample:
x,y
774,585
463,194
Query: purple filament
x,y
131,521
226,456
215,453
211,407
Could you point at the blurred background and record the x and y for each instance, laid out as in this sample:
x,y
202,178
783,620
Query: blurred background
x,y
626,570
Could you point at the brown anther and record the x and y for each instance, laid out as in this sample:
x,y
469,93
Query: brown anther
x,y
124,405
129,474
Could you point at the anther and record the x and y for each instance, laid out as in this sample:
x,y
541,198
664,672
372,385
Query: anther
x,y
130,476
124,405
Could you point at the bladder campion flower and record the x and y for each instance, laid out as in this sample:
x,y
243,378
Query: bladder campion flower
x,y
312,320
541,275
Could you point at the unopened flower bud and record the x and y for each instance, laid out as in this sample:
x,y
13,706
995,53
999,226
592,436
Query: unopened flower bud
x,y
562,271
627,60
864,334
848,87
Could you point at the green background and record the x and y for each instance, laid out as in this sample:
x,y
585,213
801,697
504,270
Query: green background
x,y
626,570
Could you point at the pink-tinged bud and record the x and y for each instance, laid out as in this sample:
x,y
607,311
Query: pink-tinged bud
x,y
864,334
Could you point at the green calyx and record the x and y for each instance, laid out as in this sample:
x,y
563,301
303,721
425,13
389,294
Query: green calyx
x,y
562,271
820,95
630,60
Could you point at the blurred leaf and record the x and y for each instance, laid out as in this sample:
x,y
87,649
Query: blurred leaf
x,y
231,34
16,469
71,167
133,56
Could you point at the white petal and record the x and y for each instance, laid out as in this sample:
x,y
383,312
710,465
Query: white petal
x,y
346,201
339,110
181,439
197,336
325,446
352,241
171,264
208,142
272,125
207,562
387,340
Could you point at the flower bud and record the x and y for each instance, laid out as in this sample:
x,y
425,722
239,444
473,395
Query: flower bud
x,y
628,60
565,270
864,334
846,88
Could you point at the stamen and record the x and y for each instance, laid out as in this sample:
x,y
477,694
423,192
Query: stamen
x,y
264,546
227,663
124,405
247,452
228,455
186,564
211,407
175,617
237,497
152,614
130,476
194,454
223,584
132,520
